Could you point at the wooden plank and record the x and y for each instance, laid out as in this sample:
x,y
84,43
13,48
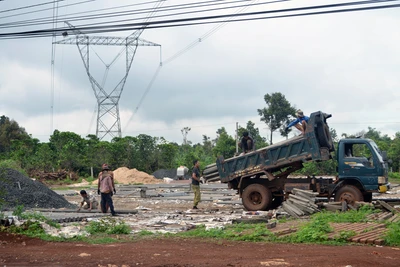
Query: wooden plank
x,y
386,206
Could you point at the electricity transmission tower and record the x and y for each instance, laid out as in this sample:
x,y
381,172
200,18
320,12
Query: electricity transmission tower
x,y
107,101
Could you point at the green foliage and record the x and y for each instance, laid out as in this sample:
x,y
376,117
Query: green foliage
x,y
11,164
394,177
225,144
237,232
316,230
109,226
37,216
29,228
392,237
145,233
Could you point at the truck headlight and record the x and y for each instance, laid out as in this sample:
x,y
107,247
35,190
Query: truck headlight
x,y
382,180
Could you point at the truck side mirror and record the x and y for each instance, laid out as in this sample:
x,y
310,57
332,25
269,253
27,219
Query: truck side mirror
x,y
384,155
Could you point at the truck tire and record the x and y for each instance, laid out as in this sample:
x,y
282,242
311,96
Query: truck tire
x,y
349,193
323,136
256,197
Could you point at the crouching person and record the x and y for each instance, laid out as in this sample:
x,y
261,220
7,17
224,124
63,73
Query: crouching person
x,y
88,202
106,188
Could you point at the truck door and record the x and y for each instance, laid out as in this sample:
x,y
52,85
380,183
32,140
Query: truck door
x,y
357,160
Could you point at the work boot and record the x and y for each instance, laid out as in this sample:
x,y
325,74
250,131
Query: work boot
x,y
195,208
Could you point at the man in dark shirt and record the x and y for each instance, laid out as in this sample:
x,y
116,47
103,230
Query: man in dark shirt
x,y
247,143
196,183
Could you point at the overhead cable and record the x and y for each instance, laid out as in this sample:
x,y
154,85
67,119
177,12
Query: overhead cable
x,y
207,19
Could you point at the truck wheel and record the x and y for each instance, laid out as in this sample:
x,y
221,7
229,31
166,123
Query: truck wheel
x,y
323,136
256,197
349,193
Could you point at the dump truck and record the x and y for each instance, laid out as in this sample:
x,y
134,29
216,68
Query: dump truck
x,y
261,176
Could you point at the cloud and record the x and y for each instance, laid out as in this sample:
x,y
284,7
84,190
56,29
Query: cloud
x,y
344,64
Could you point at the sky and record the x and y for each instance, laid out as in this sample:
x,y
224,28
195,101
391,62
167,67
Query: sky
x,y
345,64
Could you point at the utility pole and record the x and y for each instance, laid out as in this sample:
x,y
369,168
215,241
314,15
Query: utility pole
x,y
185,132
237,137
108,120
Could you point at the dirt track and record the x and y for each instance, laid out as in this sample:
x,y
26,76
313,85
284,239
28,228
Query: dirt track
x,y
22,251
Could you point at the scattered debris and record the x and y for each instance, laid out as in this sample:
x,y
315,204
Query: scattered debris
x,y
300,203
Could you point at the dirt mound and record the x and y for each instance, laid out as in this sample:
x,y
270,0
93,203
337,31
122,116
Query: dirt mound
x,y
17,189
124,175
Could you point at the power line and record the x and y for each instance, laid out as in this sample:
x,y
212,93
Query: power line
x,y
47,9
46,20
208,19
31,6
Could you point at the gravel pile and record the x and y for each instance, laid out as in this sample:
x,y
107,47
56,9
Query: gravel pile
x,y
169,173
162,173
17,189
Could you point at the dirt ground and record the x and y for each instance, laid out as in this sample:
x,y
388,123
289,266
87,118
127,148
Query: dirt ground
x,y
23,251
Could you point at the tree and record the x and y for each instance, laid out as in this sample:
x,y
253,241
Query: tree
x,y
225,145
10,131
277,112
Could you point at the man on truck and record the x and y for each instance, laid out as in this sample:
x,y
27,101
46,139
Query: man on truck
x,y
300,123
246,143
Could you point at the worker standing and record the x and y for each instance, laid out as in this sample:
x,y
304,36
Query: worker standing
x,y
196,183
106,188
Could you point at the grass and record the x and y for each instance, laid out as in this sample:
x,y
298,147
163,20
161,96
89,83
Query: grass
x,y
235,232
37,216
392,237
108,225
315,230
394,177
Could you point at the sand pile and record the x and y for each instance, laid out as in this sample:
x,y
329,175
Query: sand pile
x,y
124,175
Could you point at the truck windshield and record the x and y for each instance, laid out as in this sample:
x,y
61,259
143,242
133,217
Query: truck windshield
x,y
377,150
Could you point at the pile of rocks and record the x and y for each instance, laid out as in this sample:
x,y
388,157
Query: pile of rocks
x,y
17,189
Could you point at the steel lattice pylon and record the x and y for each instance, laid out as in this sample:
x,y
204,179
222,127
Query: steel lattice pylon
x,y
107,103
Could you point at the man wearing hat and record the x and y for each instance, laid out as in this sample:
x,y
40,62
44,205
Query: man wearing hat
x,y
106,188
300,123
89,199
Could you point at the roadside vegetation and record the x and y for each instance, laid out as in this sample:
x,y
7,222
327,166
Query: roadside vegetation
x,y
76,155
111,230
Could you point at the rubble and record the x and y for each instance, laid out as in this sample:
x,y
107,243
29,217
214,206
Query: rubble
x,y
300,203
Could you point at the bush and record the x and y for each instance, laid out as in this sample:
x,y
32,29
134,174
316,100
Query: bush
x,y
108,226
12,164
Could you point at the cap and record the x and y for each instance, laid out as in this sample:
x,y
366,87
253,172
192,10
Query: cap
x,y
105,167
83,192
299,113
